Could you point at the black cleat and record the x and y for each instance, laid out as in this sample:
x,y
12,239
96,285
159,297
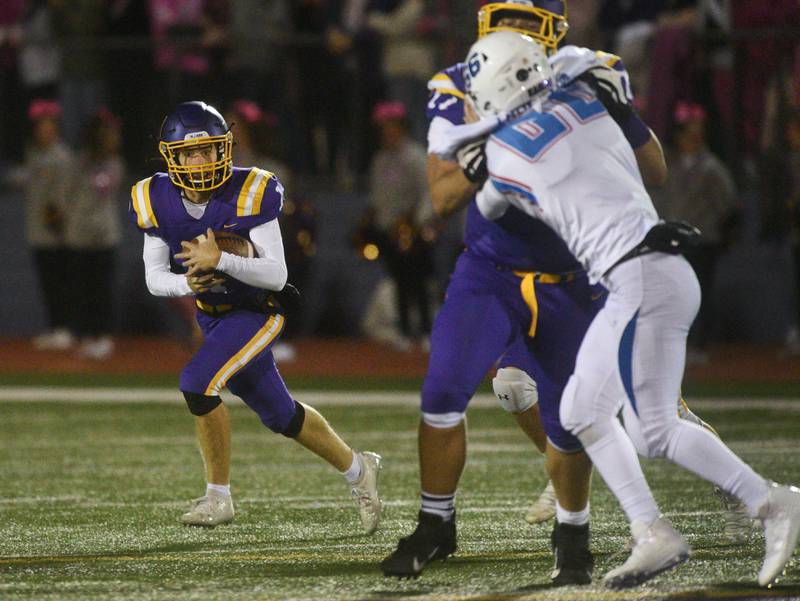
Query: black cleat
x,y
574,562
433,539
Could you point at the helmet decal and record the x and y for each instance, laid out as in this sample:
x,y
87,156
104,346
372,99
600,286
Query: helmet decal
x,y
506,72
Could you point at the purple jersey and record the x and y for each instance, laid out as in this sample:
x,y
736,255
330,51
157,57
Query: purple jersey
x,y
249,198
515,240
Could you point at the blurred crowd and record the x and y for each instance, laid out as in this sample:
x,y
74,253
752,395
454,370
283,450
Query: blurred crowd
x,y
333,92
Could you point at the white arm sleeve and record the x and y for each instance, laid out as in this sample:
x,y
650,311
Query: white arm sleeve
x,y
160,280
268,270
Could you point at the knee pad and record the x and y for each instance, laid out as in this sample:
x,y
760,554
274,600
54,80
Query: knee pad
x,y
515,389
296,423
200,404
443,420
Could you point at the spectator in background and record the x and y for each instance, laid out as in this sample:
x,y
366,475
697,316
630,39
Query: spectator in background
x,y
408,58
78,25
93,233
186,34
357,49
257,58
657,33
257,139
760,60
130,67
699,189
12,107
397,221
49,167
321,114
780,204
39,55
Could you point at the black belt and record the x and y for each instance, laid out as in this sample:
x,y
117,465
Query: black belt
x,y
671,237
284,302
213,310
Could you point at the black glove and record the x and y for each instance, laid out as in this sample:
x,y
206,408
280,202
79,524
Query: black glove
x,y
611,87
472,160
286,301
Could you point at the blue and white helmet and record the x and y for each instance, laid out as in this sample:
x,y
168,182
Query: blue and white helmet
x,y
504,71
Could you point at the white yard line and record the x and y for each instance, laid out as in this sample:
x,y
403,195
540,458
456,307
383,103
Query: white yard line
x,y
33,394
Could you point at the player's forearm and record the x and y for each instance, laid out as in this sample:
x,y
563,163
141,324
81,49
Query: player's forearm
x,y
451,193
652,165
450,189
262,272
160,280
268,270
167,284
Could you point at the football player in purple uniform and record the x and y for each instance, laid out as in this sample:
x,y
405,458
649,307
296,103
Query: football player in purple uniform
x,y
517,299
178,213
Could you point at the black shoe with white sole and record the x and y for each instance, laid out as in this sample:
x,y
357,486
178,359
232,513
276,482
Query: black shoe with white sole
x,y
573,559
434,538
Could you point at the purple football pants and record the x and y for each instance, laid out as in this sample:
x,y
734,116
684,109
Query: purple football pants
x,y
487,320
236,352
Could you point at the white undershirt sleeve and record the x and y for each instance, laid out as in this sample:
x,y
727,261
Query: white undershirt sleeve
x,y
160,280
268,270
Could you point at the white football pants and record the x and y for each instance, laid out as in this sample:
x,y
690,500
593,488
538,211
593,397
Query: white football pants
x,y
634,353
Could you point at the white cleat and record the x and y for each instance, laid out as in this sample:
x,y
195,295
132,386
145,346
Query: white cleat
x,y
656,549
780,516
365,492
209,511
544,508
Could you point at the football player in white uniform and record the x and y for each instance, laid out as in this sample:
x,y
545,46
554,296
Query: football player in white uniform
x,y
564,160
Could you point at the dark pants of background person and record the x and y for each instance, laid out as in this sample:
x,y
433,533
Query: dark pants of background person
x,y
410,271
93,286
704,262
54,268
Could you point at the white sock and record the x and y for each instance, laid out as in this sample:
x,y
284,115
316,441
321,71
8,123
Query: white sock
x,y
576,518
353,473
614,456
223,489
699,451
441,505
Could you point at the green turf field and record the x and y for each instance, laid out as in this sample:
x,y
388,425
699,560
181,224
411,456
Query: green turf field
x,y
90,493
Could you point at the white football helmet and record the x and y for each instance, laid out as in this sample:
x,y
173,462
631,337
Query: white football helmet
x,y
504,71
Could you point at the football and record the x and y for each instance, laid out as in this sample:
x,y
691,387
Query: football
x,y
228,242
234,244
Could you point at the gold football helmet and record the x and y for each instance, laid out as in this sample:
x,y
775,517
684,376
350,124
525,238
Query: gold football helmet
x,y
543,20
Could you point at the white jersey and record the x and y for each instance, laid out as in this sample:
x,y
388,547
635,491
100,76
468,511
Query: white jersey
x,y
571,166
